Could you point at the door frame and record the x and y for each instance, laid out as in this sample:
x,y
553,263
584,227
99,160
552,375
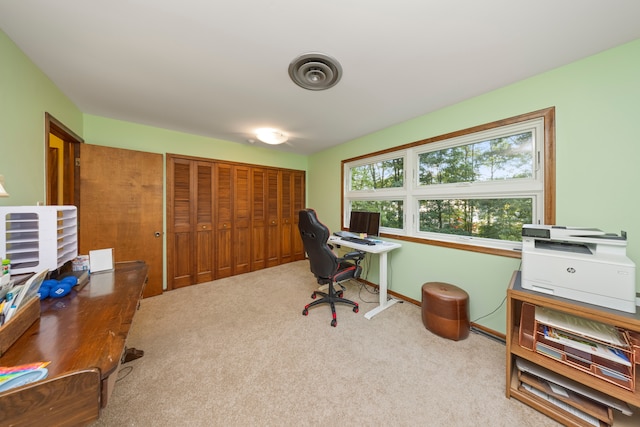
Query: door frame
x,y
53,126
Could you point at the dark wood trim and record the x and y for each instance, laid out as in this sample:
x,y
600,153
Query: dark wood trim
x,y
471,248
228,162
57,128
489,331
550,165
548,114
480,128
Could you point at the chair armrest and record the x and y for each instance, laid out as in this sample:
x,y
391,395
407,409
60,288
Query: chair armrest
x,y
355,255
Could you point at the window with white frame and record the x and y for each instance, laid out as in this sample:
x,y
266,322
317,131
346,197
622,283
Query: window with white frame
x,y
474,188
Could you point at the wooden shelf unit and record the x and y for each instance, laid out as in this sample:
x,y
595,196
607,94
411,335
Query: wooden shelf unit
x,y
516,296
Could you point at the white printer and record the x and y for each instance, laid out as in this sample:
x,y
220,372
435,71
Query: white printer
x,y
583,264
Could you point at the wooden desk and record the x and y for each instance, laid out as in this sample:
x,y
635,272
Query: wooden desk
x,y
81,331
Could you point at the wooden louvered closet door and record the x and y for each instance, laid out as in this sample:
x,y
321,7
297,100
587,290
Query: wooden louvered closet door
x,y
179,225
224,220
204,230
258,219
241,220
286,218
227,218
190,223
273,219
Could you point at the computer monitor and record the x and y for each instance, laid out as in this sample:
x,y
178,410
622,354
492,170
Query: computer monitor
x,y
365,222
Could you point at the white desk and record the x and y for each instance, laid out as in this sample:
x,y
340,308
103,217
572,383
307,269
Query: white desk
x,y
381,249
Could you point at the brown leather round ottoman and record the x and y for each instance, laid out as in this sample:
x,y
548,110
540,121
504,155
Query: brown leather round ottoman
x,y
445,310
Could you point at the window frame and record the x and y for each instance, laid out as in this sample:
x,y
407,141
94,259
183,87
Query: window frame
x,y
411,192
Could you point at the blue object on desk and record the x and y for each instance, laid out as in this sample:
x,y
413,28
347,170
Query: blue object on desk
x,y
24,378
59,290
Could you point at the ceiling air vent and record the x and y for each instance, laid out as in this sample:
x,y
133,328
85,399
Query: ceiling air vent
x,y
315,71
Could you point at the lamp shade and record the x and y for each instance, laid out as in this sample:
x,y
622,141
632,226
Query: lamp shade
x,y
3,192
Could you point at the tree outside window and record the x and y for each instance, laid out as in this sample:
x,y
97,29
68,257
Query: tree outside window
x,y
471,189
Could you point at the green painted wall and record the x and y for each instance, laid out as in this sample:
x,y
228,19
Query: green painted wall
x,y
598,148
25,95
597,104
120,134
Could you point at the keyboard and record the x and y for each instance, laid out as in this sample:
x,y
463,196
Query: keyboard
x,y
358,240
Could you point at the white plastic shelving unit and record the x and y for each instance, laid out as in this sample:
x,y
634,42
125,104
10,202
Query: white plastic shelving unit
x,y
38,237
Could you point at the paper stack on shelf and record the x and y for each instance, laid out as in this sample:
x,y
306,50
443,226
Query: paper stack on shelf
x,y
581,326
576,400
593,347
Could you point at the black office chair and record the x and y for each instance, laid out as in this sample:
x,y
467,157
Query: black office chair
x,y
328,268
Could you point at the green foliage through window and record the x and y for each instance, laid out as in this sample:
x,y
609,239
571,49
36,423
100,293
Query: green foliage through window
x,y
383,174
470,188
488,218
496,159
391,211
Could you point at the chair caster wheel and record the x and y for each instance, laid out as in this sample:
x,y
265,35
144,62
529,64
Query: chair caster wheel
x,y
356,309
305,312
340,294
313,295
334,323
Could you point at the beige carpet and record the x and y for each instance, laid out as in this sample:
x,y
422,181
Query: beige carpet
x,y
238,352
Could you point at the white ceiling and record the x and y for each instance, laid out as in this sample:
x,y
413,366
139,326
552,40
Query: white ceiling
x,y
219,68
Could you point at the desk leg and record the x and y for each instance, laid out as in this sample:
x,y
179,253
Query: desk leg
x,y
382,289
130,354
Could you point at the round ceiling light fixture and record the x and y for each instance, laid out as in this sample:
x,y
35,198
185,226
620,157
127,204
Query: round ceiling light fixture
x,y
271,136
315,71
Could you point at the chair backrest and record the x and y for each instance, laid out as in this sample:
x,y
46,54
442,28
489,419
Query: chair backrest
x,y
323,261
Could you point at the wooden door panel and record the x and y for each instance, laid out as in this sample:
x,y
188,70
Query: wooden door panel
x,y
242,248
182,262
204,222
258,247
204,256
224,220
121,207
241,220
286,221
180,223
298,204
273,219
223,252
182,218
258,219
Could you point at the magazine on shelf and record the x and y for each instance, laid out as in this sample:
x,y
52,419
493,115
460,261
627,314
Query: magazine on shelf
x,y
586,345
581,326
